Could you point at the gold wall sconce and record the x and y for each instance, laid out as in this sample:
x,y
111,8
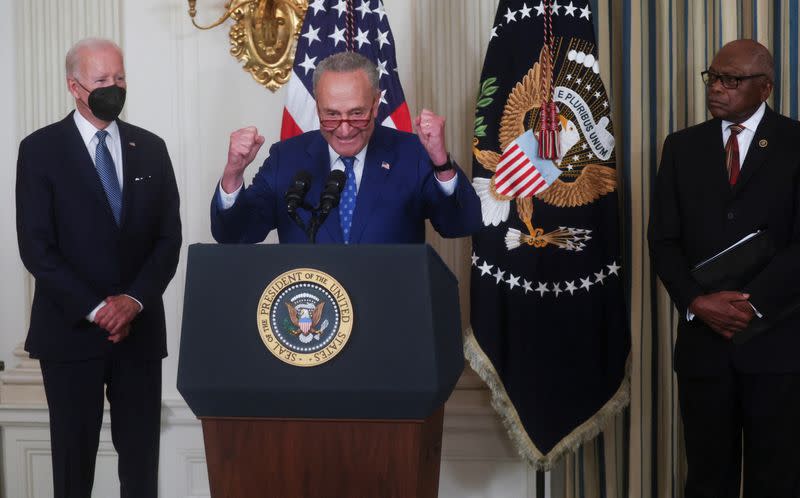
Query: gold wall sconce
x,y
263,37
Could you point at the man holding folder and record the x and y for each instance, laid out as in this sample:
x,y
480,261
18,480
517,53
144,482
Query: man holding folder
x,y
718,182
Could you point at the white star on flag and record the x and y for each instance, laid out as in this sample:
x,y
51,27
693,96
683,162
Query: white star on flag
x,y
474,259
571,287
362,38
498,276
486,268
525,11
493,34
540,9
311,34
364,8
585,12
512,281
380,11
337,36
527,286
570,10
382,69
542,289
586,283
613,268
383,97
510,16
317,6
554,7
308,64
557,288
341,7
600,277
382,38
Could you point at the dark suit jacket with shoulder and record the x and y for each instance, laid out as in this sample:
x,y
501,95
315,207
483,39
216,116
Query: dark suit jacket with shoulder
x,y
696,214
69,241
398,192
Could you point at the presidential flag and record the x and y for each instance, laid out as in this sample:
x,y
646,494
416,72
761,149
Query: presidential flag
x,y
549,331
332,26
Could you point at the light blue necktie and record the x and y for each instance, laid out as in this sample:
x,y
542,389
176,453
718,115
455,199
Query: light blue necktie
x,y
108,174
347,204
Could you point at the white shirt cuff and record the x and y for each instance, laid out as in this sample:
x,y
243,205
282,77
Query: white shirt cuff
x,y
91,315
227,200
449,186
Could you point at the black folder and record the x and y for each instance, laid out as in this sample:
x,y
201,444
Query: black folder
x,y
735,266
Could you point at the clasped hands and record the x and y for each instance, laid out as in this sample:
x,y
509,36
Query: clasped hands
x,y
116,316
726,312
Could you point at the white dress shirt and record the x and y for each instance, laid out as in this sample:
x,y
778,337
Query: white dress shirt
x,y
745,138
227,200
113,142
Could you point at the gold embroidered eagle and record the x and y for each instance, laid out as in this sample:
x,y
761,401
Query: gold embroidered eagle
x,y
592,182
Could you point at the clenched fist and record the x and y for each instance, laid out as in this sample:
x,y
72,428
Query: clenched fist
x,y
430,129
244,146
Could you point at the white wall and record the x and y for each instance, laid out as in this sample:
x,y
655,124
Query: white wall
x,y
184,86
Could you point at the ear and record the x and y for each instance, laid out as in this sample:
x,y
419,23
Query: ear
x,y
766,90
73,88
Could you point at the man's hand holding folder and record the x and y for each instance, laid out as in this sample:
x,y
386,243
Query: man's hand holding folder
x,y
726,312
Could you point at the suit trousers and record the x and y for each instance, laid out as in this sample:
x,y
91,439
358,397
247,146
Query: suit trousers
x,y
735,420
74,392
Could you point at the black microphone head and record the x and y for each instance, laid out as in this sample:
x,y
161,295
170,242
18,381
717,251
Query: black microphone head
x,y
332,191
302,180
297,190
336,179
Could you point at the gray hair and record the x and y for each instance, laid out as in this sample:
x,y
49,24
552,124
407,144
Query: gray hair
x,y
346,62
73,59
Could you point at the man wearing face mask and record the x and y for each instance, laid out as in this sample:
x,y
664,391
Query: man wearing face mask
x,y
99,229
394,180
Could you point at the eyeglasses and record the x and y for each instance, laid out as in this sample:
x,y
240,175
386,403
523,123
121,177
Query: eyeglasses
x,y
330,124
728,81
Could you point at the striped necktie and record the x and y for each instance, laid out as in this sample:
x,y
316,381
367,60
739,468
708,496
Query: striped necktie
x,y
108,175
348,202
732,153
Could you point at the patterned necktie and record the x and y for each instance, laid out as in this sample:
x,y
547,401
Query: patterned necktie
x,y
108,175
347,204
732,153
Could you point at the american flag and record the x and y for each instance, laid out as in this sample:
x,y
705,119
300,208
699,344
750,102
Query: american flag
x,y
325,32
520,172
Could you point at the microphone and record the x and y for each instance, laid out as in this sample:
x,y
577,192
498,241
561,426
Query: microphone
x,y
328,200
296,193
331,192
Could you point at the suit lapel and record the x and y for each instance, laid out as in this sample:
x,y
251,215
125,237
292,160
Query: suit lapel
x,y
714,156
320,159
758,151
373,181
128,146
78,157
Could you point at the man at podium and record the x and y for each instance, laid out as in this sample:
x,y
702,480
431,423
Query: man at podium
x,y
392,182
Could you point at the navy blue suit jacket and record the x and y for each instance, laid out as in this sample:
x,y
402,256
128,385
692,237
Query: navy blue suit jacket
x,y
70,243
398,192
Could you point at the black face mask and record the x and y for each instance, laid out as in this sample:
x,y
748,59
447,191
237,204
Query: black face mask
x,y
106,102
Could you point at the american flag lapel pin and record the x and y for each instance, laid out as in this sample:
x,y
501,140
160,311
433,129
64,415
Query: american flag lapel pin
x,y
386,166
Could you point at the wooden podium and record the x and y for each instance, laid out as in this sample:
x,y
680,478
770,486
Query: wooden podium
x,y
368,423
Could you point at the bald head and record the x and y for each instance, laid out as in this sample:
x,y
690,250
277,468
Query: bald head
x,y
752,53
